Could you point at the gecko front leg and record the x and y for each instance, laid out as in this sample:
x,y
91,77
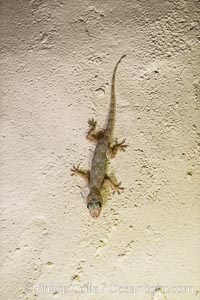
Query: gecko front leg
x,y
116,187
82,173
93,134
117,147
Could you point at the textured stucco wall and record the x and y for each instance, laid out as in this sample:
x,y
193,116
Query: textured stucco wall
x,y
57,59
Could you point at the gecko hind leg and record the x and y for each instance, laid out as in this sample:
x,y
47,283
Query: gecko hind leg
x,y
117,147
85,174
116,187
93,134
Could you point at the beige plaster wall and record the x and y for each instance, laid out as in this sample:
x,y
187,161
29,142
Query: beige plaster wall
x,y
56,62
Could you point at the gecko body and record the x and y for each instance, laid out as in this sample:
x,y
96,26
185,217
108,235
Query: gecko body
x,y
97,176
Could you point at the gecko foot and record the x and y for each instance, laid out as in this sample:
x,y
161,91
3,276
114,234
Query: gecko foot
x,y
83,173
118,188
92,123
118,147
93,135
75,170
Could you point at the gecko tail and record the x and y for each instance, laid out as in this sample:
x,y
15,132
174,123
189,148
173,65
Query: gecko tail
x,y
114,75
111,117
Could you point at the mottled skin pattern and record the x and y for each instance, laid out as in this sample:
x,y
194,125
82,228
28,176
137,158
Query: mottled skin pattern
x,y
97,175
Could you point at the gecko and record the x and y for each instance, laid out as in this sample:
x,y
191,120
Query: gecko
x,y
105,149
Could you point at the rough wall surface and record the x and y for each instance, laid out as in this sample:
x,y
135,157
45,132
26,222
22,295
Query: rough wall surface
x,y
57,59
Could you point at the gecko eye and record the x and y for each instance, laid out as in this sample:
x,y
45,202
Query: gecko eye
x,y
99,204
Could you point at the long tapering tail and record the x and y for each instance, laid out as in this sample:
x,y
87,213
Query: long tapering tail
x,y
111,118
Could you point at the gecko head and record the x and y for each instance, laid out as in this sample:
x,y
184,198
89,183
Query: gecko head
x,y
94,204
94,208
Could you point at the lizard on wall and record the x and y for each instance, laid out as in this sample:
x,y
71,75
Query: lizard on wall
x,y
97,176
